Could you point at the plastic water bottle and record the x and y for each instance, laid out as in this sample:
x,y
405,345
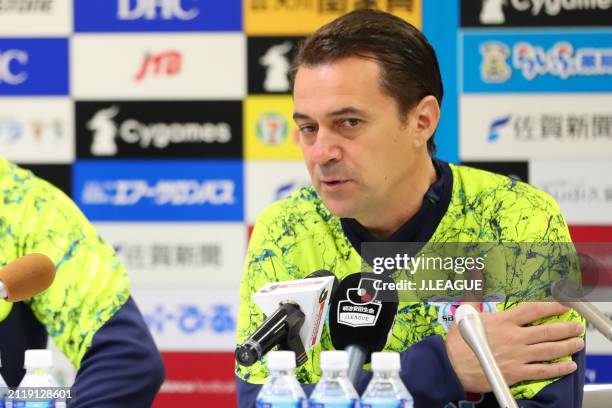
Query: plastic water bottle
x,y
282,389
3,391
386,389
334,389
38,364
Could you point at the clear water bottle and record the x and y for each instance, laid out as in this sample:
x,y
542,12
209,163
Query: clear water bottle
x,y
3,391
386,389
281,390
334,389
38,364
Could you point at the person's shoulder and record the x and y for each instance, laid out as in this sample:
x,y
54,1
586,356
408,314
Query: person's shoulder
x,y
17,183
503,207
505,191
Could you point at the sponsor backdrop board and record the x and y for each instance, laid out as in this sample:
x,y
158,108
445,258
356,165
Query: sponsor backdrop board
x,y
169,122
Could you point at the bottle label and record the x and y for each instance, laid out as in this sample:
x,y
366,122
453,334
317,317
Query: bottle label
x,y
343,404
279,404
386,404
33,404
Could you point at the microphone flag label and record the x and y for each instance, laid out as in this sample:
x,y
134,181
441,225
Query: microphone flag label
x,y
361,307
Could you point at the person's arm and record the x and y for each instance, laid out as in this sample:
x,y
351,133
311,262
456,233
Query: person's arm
x,y
87,310
123,367
428,374
566,392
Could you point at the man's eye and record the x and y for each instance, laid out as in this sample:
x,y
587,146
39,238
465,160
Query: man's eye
x,y
307,129
350,123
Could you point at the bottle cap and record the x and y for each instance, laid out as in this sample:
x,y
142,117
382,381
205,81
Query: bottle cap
x,y
386,361
281,360
334,360
38,359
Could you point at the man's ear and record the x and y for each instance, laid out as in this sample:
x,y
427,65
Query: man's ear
x,y
426,115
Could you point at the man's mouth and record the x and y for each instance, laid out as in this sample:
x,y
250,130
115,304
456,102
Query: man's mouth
x,y
333,184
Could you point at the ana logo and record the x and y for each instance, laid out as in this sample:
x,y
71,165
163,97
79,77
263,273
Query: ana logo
x,y
167,63
277,68
495,127
10,131
104,129
149,9
13,58
492,12
494,67
272,129
360,309
185,192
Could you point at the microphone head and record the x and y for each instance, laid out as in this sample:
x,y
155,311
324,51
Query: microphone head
x,y
359,313
322,273
463,311
27,276
564,291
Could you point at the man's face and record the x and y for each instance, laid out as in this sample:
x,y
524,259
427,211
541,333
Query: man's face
x,y
357,148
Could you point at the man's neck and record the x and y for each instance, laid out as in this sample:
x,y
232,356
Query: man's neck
x,y
405,204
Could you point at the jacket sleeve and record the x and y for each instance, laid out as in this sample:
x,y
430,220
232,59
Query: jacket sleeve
x,y
123,367
87,310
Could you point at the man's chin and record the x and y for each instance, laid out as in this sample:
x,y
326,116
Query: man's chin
x,y
339,208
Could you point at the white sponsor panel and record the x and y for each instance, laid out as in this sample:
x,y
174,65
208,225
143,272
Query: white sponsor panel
x,y
37,130
159,66
34,18
269,181
535,126
193,320
596,343
583,189
179,255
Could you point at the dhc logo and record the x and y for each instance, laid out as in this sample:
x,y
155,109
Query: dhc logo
x,y
153,9
157,15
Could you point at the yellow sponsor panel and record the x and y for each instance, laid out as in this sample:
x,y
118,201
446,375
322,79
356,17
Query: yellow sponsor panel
x,y
269,127
302,17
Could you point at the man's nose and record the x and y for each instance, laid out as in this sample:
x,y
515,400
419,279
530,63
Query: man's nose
x,y
326,147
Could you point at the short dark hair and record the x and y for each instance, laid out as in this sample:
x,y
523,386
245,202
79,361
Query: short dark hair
x,y
408,63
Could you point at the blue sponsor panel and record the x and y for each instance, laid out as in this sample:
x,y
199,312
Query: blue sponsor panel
x,y
598,369
547,61
34,66
160,190
157,15
441,31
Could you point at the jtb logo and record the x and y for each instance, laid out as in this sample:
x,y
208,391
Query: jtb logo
x,y
166,63
148,9
8,71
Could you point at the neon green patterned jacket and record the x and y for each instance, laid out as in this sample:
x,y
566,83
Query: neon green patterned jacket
x,y
295,236
90,284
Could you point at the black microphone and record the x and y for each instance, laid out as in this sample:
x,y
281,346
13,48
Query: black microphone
x,y
299,305
361,315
